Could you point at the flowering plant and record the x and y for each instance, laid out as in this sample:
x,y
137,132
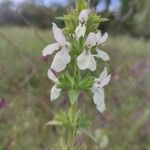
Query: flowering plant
x,y
79,47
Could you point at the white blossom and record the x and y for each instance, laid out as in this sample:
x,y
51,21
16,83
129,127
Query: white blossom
x,y
98,90
62,58
83,17
55,92
86,59
101,39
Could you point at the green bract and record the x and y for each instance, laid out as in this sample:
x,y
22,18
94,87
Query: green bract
x,y
66,81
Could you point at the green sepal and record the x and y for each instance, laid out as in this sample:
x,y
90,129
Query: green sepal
x,y
81,4
66,81
71,22
77,45
73,95
93,22
75,84
86,82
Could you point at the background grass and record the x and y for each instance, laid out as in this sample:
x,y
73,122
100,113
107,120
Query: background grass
x,y
27,108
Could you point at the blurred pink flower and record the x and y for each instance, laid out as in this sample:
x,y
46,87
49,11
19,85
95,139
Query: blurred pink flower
x,y
3,103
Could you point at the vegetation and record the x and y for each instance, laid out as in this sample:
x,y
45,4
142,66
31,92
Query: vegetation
x,y
131,17
24,108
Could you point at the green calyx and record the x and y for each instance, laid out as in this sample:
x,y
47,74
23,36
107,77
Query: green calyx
x,y
75,84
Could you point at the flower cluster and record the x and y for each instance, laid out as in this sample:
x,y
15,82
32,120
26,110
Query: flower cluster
x,y
85,60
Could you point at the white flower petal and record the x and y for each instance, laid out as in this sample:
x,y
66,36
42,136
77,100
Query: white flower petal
x,y
80,31
105,81
50,49
91,40
84,14
55,92
65,54
103,55
103,75
98,98
52,76
60,61
58,35
101,39
86,61
92,62
101,108
99,35
82,60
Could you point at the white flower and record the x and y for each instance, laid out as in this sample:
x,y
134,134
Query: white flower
x,y
83,17
55,92
62,58
101,39
86,60
98,89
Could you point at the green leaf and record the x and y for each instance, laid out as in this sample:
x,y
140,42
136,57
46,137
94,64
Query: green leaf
x,y
88,133
60,18
63,117
54,123
73,95
60,145
83,121
103,19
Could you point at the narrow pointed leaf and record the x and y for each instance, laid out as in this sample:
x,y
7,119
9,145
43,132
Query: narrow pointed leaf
x,y
54,123
88,133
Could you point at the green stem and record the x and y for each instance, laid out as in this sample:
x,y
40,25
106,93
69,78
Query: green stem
x,y
73,126
75,69
74,118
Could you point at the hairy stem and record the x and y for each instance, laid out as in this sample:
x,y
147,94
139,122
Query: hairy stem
x,y
73,126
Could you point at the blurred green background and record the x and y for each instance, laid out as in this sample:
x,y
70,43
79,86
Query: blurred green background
x,y
25,105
